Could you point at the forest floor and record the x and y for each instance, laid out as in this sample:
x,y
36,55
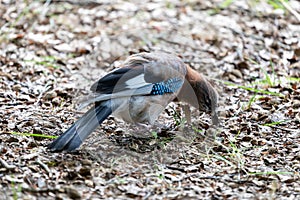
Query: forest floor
x,y
52,51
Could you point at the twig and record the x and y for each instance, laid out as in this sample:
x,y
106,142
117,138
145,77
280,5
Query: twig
x,y
47,87
181,44
175,168
79,2
287,129
39,190
43,165
6,165
290,9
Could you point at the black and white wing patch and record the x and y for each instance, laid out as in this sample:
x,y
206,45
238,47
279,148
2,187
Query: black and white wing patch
x,y
120,80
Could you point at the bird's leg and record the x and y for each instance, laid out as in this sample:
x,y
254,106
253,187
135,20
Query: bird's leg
x,y
141,125
141,129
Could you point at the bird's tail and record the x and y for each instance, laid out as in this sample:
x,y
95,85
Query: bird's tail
x,y
82,128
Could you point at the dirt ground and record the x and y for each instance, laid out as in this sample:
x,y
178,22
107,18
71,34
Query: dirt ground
x,y
52,51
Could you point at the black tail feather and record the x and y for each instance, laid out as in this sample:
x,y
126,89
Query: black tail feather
x,y
82,128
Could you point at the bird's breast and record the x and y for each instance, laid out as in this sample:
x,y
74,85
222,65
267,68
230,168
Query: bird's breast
x,y
141,109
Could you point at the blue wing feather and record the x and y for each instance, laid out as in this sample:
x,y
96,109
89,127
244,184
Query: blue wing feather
x,y
171,85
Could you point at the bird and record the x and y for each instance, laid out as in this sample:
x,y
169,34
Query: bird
x,y
138,92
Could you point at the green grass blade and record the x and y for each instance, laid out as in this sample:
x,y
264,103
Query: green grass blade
x,y
276,123
270,173
253,89
33,135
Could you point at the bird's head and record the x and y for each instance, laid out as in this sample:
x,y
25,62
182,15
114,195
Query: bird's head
x,y
207,98
200,93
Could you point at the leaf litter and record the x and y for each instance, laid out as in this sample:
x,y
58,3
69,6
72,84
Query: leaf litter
x,y
52,51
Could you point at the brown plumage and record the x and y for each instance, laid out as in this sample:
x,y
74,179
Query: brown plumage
x,y
198,92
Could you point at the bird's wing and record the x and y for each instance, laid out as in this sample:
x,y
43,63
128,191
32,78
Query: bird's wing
x,y
119,80
142,74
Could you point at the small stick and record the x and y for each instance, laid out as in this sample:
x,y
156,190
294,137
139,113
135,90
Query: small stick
x,y
290,9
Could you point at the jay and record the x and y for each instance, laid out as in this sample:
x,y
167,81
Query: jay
x,y
138,92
